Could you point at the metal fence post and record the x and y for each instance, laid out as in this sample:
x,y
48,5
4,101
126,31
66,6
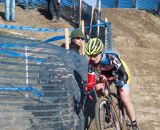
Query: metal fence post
x,y
108,35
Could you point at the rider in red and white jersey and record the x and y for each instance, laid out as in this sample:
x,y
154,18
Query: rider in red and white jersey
x,y
108,64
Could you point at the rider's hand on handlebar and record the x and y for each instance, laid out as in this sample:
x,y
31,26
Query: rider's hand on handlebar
x,y
103,79
100,86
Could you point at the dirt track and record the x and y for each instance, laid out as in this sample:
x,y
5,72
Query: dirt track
x,y
39,18
136,36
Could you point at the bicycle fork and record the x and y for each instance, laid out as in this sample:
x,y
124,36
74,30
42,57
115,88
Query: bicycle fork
x,y
109,115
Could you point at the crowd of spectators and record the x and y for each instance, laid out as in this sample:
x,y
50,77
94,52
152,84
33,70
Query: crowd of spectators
x,y
53,8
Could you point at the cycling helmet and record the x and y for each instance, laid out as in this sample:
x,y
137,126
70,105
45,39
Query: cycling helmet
x,y
93,47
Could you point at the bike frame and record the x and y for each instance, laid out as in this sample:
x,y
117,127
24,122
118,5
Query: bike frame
x,y
120,108
120,105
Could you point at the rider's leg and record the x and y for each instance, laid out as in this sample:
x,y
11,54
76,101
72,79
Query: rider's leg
x,y
126,99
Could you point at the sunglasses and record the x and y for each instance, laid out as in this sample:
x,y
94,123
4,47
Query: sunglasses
x,y
78,38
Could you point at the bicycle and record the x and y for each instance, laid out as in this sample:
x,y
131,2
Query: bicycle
x,y
109,110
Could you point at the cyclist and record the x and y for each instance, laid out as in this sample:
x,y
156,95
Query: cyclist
x,y
77,39
107,64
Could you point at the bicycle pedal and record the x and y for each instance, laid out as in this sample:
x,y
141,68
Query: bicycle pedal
x,y
129,126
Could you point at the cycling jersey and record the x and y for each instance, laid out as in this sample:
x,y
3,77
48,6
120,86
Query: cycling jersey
x,y
110,63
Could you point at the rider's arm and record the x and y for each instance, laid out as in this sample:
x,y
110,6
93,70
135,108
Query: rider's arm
x,y
122,73
120,70
91,77
92,67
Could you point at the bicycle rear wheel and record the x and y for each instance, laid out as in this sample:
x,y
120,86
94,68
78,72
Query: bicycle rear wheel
x,y
106,116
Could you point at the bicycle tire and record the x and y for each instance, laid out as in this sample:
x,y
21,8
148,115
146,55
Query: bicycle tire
x,y
121,117
102,118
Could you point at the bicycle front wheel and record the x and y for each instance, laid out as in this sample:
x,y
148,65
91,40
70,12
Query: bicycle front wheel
x,y
106,116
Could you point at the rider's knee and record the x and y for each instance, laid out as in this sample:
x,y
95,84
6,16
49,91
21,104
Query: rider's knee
x,y
125,93
124,88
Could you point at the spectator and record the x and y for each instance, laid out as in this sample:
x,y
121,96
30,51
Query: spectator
x,y
54,9
27,3
77,39
10,10
158,7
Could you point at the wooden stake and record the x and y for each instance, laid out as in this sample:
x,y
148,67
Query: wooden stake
x,y
99,9
66,38
80,13
82,26
83,31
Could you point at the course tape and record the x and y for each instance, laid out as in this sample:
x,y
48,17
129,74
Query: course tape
x,y
101,25
34,91
10,45
39,60
13,27
56,38
30,28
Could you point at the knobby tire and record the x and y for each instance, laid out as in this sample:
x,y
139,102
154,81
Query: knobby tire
x,y
119,114
102,116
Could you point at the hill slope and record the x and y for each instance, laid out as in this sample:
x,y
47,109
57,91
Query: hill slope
x,y
39,18
136,36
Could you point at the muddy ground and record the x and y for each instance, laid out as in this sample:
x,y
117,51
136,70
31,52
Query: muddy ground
x,y
136,36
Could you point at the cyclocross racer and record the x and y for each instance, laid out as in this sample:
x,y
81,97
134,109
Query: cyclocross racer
x,y
109,64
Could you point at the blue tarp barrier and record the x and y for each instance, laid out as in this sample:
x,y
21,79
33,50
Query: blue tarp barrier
x,y
139,4
146,4
108,4
15,54
125,4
